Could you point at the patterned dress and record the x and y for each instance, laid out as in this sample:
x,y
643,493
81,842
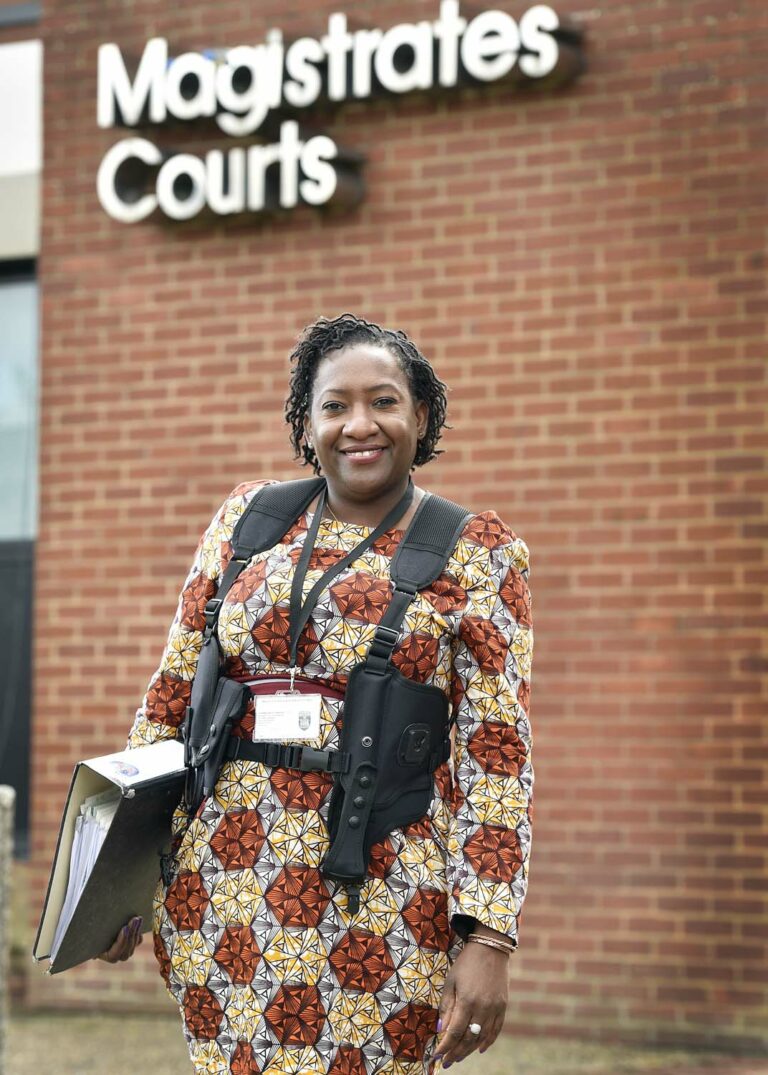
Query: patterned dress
x,y
271,973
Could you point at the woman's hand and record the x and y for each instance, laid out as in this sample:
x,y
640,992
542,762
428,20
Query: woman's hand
x,y
475,991
125,944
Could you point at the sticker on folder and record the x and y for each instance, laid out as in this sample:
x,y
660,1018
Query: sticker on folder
x,y
286,716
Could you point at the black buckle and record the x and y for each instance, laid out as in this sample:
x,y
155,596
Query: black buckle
x,y
313,760
273,755
338,762
306,759
211,611
289,756
384,641
185,728
380,653
292,756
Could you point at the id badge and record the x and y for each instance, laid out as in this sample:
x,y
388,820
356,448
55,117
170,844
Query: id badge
x,y
286,716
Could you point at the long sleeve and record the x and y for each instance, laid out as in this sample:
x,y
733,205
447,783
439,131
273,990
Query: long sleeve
x,y
490,840
162,710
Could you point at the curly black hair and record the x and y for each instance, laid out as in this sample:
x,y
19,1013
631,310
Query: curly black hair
x,y
331,334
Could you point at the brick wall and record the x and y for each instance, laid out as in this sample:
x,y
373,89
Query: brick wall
x,y
587,270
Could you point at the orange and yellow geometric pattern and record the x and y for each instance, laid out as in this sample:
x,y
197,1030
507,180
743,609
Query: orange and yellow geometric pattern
x,y
271,972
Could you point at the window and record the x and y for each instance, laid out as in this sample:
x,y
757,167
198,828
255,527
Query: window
x,y
18,402
18,525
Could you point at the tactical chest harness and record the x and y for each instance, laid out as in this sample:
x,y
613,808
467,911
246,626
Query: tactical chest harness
x,y
395,731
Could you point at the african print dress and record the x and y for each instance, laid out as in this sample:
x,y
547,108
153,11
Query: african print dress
x,y
271,973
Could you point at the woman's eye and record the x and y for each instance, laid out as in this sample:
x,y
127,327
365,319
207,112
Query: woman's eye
x,y
332,405
385,401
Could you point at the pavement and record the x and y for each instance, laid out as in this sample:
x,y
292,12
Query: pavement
x,y
77,1044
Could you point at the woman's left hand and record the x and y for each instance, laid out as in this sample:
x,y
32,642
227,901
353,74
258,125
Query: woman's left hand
x,y
125,943
475,991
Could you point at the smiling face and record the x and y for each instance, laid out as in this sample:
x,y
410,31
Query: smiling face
x,y
364,425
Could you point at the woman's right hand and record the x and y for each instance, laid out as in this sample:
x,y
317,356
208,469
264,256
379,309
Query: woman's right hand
x,y
125,943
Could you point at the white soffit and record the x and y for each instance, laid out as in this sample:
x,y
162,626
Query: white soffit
x,y
21,64
21,84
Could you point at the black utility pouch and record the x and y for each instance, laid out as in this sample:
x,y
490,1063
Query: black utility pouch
x,y
397,740
207,733
229,705
414,742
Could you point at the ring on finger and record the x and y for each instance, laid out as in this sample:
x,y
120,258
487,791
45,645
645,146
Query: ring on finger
x,y
475,1028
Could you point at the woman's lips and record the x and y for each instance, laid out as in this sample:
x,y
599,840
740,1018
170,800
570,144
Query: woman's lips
x,y
363,455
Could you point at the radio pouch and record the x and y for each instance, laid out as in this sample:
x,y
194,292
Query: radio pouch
x,y
395,731
398,738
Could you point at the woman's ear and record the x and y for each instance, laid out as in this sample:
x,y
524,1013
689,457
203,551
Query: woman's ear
x,y
307,431
422,418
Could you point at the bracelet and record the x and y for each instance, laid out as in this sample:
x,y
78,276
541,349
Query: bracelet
x,y
491,942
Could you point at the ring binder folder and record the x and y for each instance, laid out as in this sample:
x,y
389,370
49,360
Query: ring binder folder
x,y
147,783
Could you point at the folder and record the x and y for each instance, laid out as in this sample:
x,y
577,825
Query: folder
x,y
147,784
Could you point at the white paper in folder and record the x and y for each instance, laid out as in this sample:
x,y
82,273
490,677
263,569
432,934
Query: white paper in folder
x,y
91,826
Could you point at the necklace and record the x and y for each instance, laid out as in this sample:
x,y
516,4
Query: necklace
x,y
334,516
333,513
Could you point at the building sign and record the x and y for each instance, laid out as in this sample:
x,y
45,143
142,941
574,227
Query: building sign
x,y
263,89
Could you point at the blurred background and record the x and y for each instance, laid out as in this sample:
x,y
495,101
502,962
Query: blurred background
x,y
581,252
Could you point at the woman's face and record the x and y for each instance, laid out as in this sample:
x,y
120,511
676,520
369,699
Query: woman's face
x,y
363,422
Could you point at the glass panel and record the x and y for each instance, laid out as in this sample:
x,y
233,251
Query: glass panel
x,y
18,410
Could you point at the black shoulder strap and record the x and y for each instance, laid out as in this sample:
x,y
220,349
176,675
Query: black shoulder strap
x,y
420,558
266,519
429,541
270,513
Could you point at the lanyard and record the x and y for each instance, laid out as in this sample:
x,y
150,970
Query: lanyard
x,y
300,612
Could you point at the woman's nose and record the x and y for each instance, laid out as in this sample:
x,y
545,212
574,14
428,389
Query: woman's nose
x,y
360,423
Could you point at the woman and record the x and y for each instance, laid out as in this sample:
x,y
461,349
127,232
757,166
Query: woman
x,y
273,970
